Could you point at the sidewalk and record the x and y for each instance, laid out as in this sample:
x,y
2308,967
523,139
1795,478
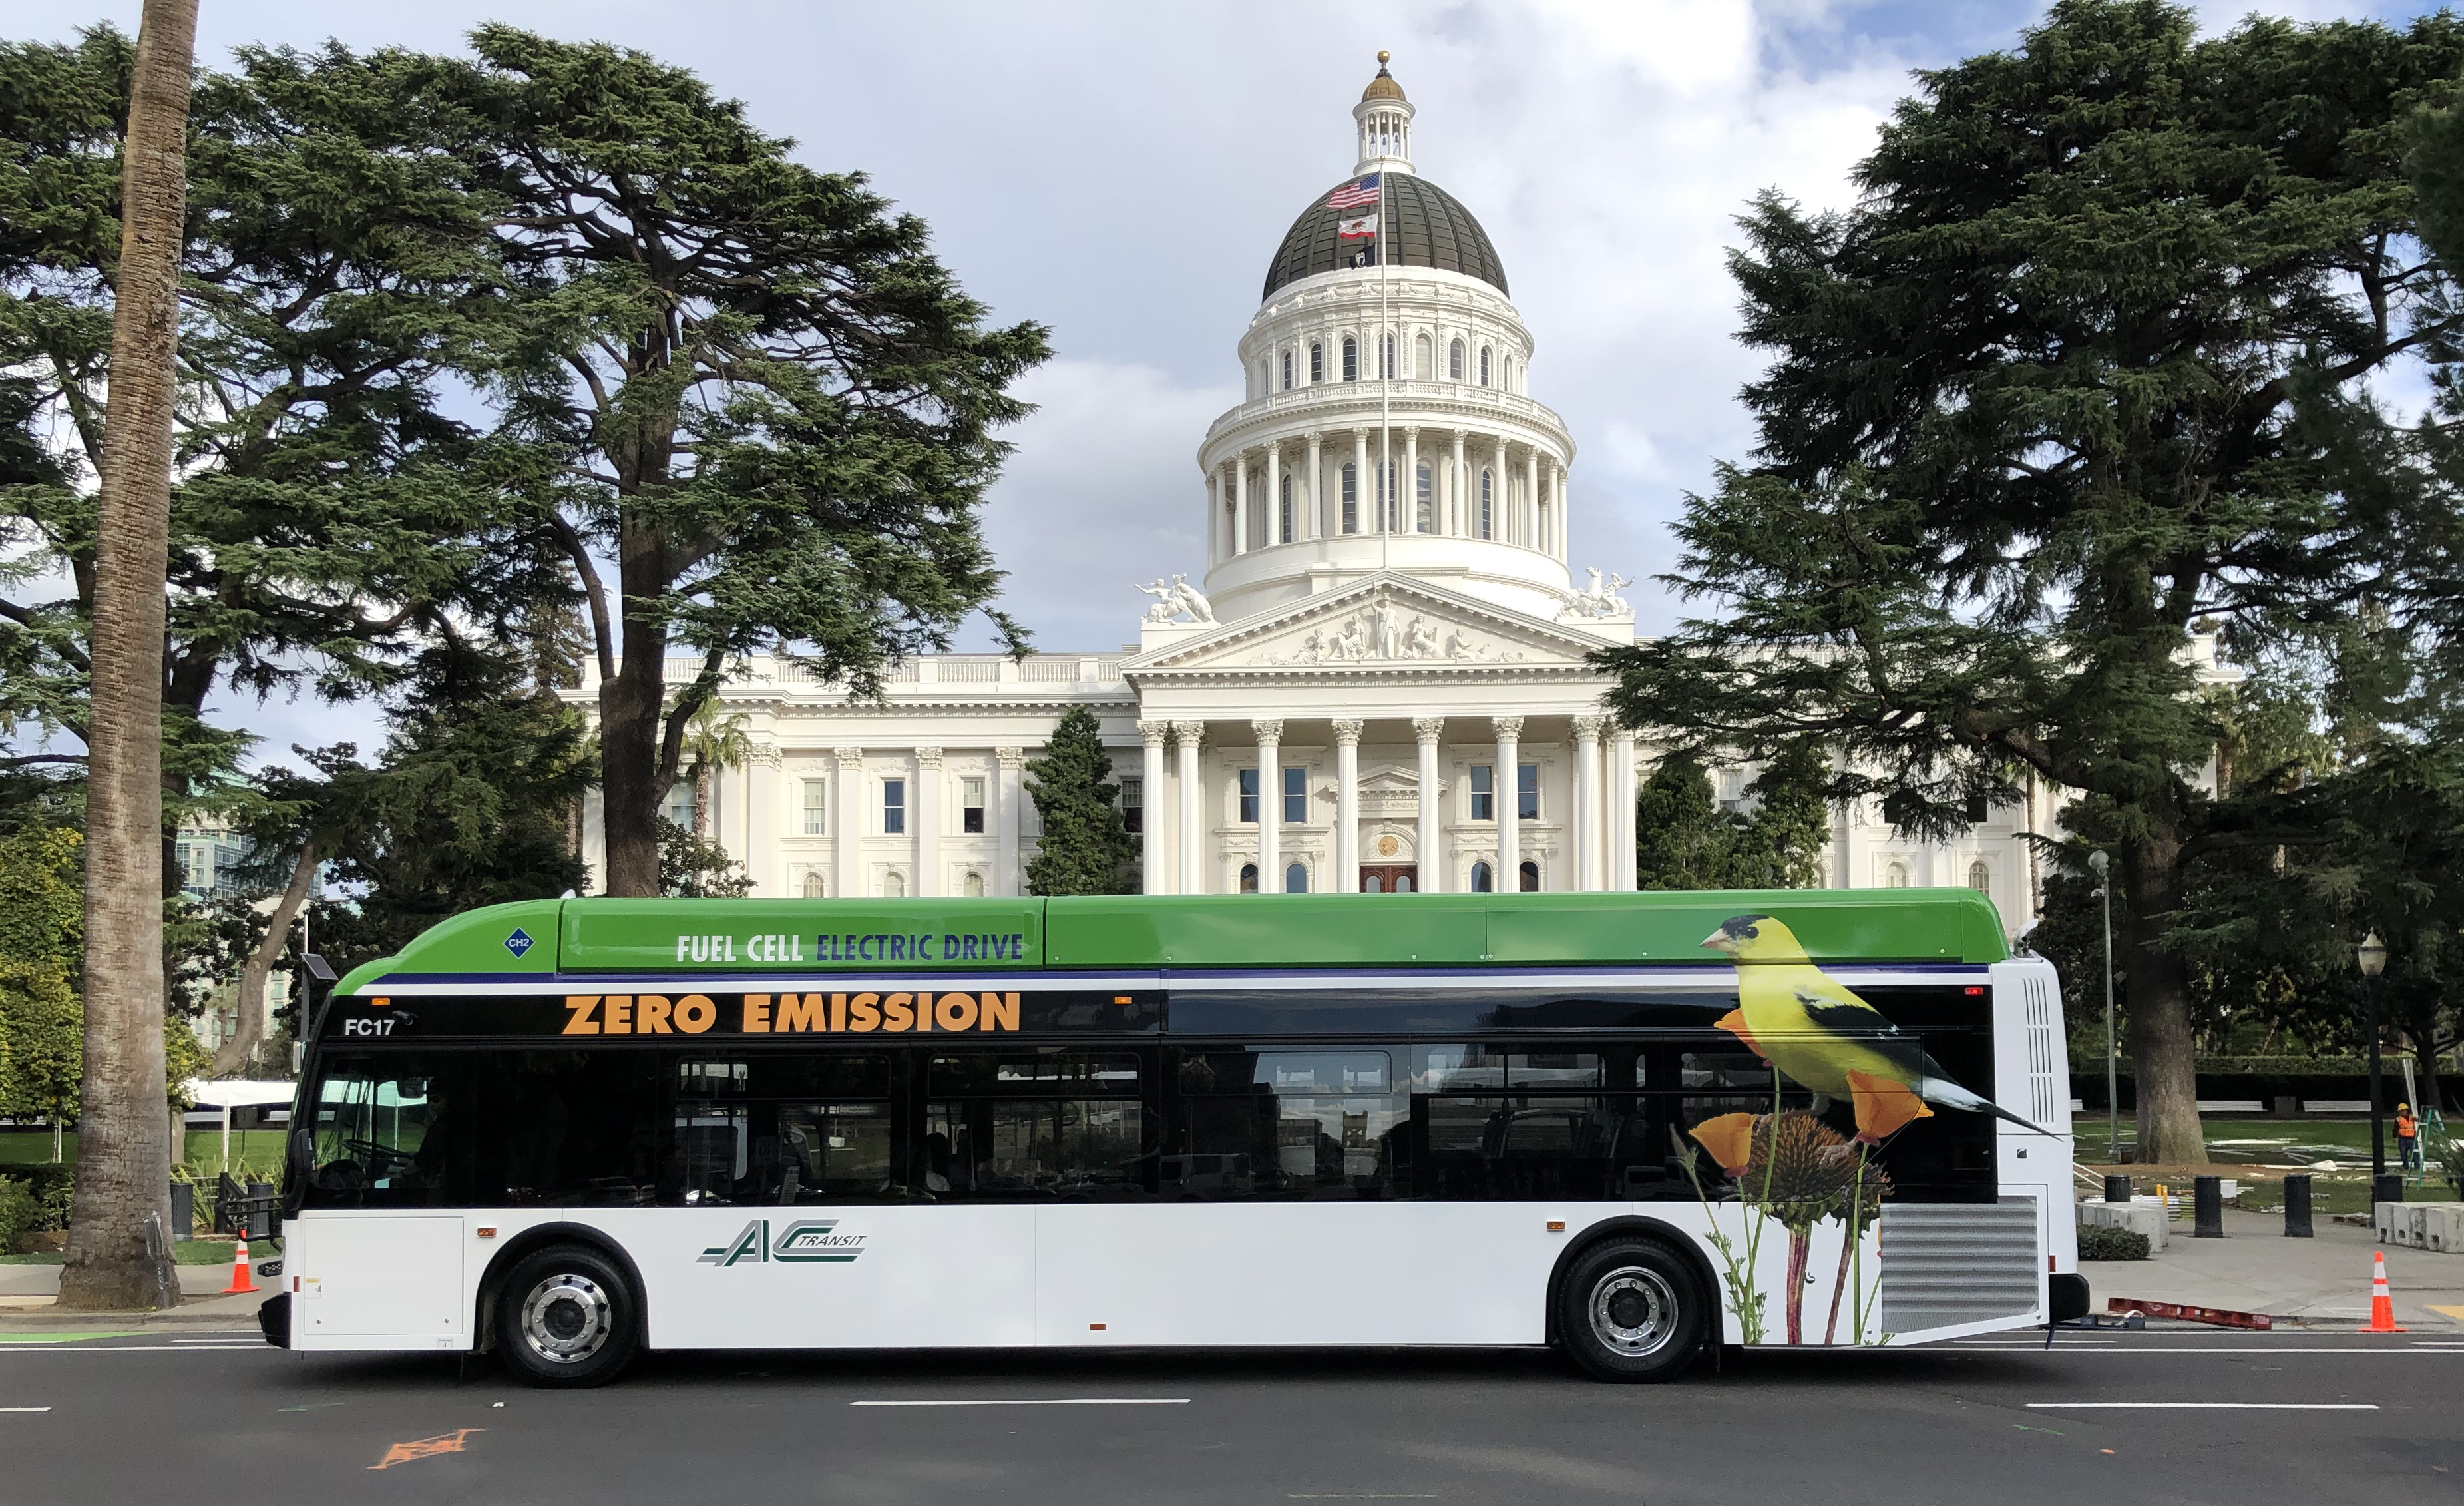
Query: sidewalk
x,y
2323,1281
29,1295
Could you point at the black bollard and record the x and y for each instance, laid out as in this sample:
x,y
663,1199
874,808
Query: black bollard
x,y
2117,1188
2208,1200
2297,1205
2388,1188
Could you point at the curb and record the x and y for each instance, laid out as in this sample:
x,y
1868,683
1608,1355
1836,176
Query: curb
x,y
45,1320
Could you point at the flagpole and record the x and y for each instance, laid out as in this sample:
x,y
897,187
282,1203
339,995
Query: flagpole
x,y
1388,482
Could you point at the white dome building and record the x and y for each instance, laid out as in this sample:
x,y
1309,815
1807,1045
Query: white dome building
x,y
1380,686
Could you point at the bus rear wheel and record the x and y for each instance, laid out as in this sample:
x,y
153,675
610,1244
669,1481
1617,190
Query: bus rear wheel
x,y
1631,1310
566,1317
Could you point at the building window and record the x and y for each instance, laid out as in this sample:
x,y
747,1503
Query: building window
x,y
1287,370
1386,497
1896,876
1351,359
1980,878
1453,361
1248,795
972,886
1424,487
1248,878
1487,506
971,804
679,807
1526,793
1484,796
894,807
1480,883
1386,356
816,887
1258,515
1295,878
1317,363
1530,877
1284,510
817,806
1732,790
1351,497
893,885
1484,366
1295,795
1980,808
1134,805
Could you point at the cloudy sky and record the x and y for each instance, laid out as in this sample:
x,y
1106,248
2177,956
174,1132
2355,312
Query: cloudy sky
x,y
1122,171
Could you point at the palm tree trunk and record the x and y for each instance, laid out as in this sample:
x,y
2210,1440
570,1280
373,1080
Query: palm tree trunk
x,y
119,1251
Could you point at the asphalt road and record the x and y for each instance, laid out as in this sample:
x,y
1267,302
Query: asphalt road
x,y
200,1418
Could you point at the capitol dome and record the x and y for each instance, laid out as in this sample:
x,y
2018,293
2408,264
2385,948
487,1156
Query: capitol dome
x,y
1426,227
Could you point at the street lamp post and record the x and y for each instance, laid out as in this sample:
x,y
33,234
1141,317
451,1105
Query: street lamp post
x,y
2112,1067
2372,956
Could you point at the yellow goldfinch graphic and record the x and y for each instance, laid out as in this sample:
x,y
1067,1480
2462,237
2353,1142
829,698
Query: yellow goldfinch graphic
x,y
1826,1039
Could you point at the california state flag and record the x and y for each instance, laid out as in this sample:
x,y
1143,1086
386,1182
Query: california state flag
x,y
1356,226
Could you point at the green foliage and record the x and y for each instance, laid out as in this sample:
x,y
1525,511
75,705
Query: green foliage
x,y
693,868
42,940
1684,840
1084,849
2101,1242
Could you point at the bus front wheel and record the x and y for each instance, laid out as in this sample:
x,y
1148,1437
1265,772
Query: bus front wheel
x,y
1631,1310
566,1317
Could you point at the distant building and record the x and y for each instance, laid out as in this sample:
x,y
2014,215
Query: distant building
x,y
209,856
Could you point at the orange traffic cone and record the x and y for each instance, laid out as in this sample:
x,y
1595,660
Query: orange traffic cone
x,y
2382,1305
240,1282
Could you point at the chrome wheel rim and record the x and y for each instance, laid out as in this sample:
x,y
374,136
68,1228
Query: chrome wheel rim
x,y
1633,1311
566,1320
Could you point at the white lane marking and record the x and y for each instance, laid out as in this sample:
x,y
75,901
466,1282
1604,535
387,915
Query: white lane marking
x,y
1057,1400
24,1408
2202,1407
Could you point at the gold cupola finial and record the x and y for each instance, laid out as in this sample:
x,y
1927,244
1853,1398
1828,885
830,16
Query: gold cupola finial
x,y
1383,87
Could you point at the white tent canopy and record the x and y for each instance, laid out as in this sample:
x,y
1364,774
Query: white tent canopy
x,y
234,1094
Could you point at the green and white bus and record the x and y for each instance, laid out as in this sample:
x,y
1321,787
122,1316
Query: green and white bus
x,y
1631,1125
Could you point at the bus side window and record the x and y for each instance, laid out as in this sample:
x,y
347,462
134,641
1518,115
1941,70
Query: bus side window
x,y
782,1129
568,1129
1275,1123
1014,1123
393,1130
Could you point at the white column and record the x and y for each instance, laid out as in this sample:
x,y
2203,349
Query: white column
x,y
1589,837
1565,518
1621,797
1241,503
764,783
1192,880
1364,489
1214,515
1508,790
1458,487
1012,795
927,816
1501,495
1432,856
1316,521
1271,806
1531,495
854,789
1407,486
1347,806
1273,507
1151,841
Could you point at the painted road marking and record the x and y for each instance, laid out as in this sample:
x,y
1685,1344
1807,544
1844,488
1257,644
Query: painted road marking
x,y
68,1339
2449,1311
2202,1407
24,1408
1056,1401
132,1349
454,1442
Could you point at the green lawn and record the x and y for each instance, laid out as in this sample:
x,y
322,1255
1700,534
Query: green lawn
x,y
191,1253
260,1149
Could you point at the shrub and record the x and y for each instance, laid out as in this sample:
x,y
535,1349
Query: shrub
x,y
19,1208
2102,1243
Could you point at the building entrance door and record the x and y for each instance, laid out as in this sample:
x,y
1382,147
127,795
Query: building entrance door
x,y
1389,879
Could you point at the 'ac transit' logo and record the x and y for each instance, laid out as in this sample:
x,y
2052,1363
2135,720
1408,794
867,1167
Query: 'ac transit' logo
x,y
806,1240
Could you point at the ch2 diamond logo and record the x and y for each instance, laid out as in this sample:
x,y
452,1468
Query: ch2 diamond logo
x,y
518,943
807,1241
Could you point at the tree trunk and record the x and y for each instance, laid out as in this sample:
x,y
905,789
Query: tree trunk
x,y
2424,1067
628,769
2163,1049
232,1055
120,1244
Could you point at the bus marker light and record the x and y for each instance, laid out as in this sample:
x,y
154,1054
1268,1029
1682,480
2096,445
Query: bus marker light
x,y
1556,1226
1095,1328
487,1231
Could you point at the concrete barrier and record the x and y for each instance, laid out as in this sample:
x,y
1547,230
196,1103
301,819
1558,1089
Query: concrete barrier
x,y
2422,1226
2139,1218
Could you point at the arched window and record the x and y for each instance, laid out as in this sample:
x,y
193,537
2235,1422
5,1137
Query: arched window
x,y
1530,877
1389,506
1295,878
1351,359
1373,884
1424,489
1453,361
814,884
1896,876
1505,372
1317,363
1248,878
1351,497
1403,883
1480,882
1258,512
1386,356
1284,510
1266,379
1420,356
1287,370
893,885
1980,878
1484,366
972,886
1487,506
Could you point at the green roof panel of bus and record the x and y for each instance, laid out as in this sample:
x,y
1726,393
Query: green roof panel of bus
x,y
834,934
519,938
1265,930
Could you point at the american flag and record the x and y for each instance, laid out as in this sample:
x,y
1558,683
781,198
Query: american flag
x,y
1352,195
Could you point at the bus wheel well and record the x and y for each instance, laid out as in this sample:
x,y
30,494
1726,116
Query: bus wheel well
x,y
484,1330
1636,1226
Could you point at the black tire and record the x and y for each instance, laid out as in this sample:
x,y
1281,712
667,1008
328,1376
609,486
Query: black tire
x,y
566,1317
1633,1310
